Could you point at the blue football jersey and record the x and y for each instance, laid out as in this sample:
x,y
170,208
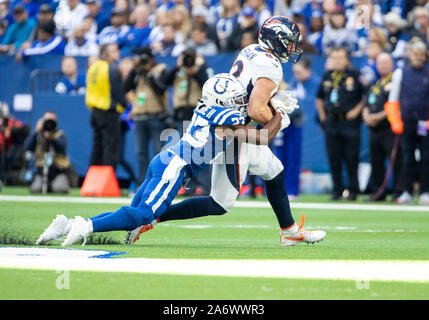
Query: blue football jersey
x,y
199,145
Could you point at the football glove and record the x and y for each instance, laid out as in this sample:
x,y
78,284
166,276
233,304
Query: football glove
x,y
287,98
279,106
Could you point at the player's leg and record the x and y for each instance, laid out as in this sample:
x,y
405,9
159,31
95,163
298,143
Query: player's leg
x,y
227,176
161,188
191,208
270,168
138,196
159,204
158,189
264,163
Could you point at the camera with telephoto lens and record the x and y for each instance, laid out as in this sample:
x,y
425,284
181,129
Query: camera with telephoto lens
x,y
144,59
189,57
49,125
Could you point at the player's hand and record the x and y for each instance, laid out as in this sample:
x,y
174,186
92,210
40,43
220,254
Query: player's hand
x,y
288,99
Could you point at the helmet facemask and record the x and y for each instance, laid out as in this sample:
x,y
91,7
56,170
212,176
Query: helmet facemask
x,y
287,49
239,102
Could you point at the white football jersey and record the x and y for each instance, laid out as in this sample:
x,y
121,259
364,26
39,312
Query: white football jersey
x,y
253,63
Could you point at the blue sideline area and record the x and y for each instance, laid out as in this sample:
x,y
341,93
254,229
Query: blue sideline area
x,y
74,116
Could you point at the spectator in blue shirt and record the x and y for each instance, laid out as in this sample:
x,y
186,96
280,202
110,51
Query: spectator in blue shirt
x,y
227,19
72,82
117,32
45,15
99,14
139,32
336,32
310,9
5,14
18,32
47,42
31,6
369,74
168,45
315,34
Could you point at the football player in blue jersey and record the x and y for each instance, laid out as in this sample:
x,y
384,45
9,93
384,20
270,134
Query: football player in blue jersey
x,y
218,120
258,68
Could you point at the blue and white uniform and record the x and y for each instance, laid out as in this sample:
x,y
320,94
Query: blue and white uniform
x,y
197,149
252,63
194,152
200,145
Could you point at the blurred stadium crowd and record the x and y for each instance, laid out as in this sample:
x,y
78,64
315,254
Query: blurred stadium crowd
x,y
78,28
364,28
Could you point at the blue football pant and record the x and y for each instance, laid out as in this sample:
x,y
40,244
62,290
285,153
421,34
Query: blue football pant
x,y
151,200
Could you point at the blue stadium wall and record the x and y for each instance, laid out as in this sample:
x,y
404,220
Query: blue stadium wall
x,y
74,116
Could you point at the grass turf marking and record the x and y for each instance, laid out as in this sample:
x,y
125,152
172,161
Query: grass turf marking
x,y
238,204
409,271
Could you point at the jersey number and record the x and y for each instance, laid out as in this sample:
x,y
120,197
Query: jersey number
x,y
237,68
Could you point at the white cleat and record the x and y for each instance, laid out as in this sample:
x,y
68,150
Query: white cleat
x,y
424,198
296,234
405,198
58,228
80,229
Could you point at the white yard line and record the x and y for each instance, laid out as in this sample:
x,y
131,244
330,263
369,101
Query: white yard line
x,y
410,271
238,204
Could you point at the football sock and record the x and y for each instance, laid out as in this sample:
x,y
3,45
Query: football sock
x,y
192,208
277,196
126,218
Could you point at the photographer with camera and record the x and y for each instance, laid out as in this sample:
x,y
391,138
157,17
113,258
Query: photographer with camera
x,y
187,78
48,144
149,105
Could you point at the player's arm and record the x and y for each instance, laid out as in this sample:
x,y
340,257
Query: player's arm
x,y
251,134
258,108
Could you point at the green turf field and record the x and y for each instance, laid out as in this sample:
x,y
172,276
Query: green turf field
x,y
242,234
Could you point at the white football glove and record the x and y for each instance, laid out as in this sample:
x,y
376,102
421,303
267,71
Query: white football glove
x,y
279,106
287,98
285,122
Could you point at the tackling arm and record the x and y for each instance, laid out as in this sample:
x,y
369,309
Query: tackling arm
x,y
252,135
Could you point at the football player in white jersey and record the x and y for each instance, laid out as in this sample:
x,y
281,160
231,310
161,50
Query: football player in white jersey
x,y
258,68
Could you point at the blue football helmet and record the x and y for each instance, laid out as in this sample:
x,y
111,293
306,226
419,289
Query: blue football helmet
x,y
282,37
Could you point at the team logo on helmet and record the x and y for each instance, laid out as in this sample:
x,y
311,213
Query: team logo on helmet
x,y
223,87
